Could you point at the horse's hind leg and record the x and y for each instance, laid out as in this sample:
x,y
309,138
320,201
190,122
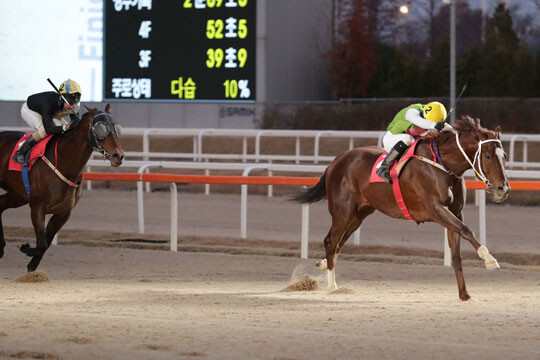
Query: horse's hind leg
x,y
55,224
344,223
7,201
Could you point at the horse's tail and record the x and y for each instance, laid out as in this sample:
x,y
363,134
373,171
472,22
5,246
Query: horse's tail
x,y
312,194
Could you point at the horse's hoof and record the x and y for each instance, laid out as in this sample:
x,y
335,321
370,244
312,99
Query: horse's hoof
x,y
492,265
464,297
24,248
1,253
321,264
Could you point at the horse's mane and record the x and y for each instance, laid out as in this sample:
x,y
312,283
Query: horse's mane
x,y
466,124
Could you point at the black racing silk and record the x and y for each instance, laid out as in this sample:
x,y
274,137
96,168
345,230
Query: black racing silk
x,y
47,104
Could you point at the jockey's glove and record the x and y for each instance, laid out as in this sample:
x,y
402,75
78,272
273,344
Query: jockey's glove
x,y
439,126
65,128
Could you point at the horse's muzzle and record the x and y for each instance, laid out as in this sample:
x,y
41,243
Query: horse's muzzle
x,y
500,193
116,159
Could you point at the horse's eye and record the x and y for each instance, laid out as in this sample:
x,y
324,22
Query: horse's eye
x,y
488,156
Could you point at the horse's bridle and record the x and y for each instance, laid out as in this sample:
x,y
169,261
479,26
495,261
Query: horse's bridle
x,y
477,157
99,130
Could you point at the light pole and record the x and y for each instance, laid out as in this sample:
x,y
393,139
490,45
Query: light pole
x,y
452,5
403,12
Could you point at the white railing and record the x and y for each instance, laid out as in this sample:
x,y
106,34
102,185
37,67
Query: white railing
x,y
246,170
198,136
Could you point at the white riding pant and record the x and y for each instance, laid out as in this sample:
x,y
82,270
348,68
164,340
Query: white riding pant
x,y
35,121
389,140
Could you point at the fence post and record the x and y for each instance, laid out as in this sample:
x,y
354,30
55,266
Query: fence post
x,y
243,200
174,217
140,206
297,150
447,252
482,216
357,236
140,196
305,232
244,149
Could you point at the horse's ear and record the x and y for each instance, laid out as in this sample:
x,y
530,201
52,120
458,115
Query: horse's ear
x,y
91,111
498,130
477,121
108,109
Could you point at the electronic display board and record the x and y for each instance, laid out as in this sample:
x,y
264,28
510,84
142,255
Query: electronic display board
x,y
180,50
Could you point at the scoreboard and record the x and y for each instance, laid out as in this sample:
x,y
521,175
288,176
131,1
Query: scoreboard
x,y
180,50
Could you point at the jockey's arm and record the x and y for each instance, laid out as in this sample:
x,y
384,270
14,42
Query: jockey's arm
x,y
48,123
413,116
73,117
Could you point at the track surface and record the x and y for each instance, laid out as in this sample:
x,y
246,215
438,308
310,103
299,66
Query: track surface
x,y
141,304
510,228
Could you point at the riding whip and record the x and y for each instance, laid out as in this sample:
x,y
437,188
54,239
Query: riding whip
x,y
459,96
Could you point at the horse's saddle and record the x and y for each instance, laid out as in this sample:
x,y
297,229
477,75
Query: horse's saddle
x,y
397,166
37,151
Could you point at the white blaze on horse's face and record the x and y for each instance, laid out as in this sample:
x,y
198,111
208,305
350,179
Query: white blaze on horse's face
x,y
501,192
500,155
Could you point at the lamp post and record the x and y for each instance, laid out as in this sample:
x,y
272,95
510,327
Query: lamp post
x,y
403,12
452,5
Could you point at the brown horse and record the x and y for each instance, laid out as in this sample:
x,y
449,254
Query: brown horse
x,y
430,193
50,194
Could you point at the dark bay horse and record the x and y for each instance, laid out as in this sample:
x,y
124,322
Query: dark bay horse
x,y
430,193
50,194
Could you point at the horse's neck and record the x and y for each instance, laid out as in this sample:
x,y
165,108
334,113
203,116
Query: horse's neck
x,y
452,156
74,152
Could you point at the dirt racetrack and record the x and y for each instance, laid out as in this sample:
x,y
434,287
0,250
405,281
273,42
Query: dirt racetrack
x,y
113,303
121,303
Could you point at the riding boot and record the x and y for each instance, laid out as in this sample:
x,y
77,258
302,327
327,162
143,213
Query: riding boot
x,y
22,154
394,154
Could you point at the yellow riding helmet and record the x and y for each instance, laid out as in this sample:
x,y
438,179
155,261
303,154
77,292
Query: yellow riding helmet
x,y
434,111
70,87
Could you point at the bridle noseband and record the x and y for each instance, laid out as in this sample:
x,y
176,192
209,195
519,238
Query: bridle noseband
x,y
477,157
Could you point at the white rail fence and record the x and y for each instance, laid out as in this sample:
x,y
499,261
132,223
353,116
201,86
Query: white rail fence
x,y
198,136
246,171
198,154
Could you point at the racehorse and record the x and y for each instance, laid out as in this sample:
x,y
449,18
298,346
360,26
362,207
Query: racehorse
x,y
57,191
431,193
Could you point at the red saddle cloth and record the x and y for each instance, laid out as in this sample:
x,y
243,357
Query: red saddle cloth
x,y
374,178
37,151
394,175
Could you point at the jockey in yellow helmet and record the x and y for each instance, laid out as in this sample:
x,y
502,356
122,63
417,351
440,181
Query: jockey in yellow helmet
x,y
414,120
44,112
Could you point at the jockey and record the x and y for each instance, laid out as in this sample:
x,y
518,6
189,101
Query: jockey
x,y
44,112
414,120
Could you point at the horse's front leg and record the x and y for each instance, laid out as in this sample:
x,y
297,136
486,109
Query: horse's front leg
x,y
443,216
454,243
55,224
38,221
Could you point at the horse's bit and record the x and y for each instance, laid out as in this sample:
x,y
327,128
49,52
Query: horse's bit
x,y
477,157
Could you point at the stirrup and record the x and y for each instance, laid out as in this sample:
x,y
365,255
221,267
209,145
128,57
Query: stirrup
x,y
385,175
20,159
